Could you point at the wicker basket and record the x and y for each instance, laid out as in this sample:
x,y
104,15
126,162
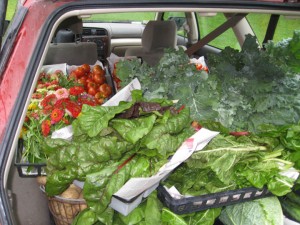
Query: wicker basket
x,y
64,210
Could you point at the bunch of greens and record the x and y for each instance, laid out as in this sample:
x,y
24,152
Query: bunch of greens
x,y
230,163
285,137
111,145
243,89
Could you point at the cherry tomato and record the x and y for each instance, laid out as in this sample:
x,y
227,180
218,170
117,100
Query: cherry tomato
x,y
91,84
88,80
99,79
105,89
90,75
86,68
79,72
198,66
98,69
92,91
99,101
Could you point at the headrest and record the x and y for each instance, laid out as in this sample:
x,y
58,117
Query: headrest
x,y
73,23
158,35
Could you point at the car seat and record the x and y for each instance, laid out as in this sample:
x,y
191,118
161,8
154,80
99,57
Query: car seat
x,y
156,37
67,47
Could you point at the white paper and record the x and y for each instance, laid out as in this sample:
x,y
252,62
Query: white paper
x,y
135,186
287,221
63,133
52,68
200,60
124,94
195,143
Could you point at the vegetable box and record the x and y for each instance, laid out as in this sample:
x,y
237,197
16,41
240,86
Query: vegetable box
x,y
186,205
25,168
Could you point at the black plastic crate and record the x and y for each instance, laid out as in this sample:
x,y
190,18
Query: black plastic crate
x,y
27,169
203,202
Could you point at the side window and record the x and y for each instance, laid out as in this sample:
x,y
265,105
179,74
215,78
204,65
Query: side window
x,y
179,18
11,7
285,26
141,17
210,23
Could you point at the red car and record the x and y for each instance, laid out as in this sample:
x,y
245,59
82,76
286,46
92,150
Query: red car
x,y
72,37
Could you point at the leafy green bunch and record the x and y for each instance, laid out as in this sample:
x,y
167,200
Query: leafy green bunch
x,y
112,144
243,89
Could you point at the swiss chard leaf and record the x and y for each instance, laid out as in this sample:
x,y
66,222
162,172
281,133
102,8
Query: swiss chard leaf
x,y
133,130
206,217
93,119
170,218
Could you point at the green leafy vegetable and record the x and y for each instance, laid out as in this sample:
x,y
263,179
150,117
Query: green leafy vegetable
x,y
206,217
262,211
227,163
93,119
134,140
243,90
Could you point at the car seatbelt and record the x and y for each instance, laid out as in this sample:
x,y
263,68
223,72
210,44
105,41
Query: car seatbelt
x,y
215,33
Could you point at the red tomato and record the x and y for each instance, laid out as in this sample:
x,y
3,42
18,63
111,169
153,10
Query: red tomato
x,y
79,72
92,91
91,84
99,101
198,66
90,75
99,98
82,81
88,80
99,95
98,69
86,68
99,79
105,89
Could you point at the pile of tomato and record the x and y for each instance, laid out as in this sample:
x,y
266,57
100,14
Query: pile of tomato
x,y
93,79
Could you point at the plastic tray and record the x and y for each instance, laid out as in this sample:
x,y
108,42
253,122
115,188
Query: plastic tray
x,y
26,169
203,202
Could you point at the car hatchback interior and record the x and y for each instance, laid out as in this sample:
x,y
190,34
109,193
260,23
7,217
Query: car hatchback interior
x,y
77,42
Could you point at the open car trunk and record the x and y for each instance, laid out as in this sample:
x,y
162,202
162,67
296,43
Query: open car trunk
x,y
82,58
